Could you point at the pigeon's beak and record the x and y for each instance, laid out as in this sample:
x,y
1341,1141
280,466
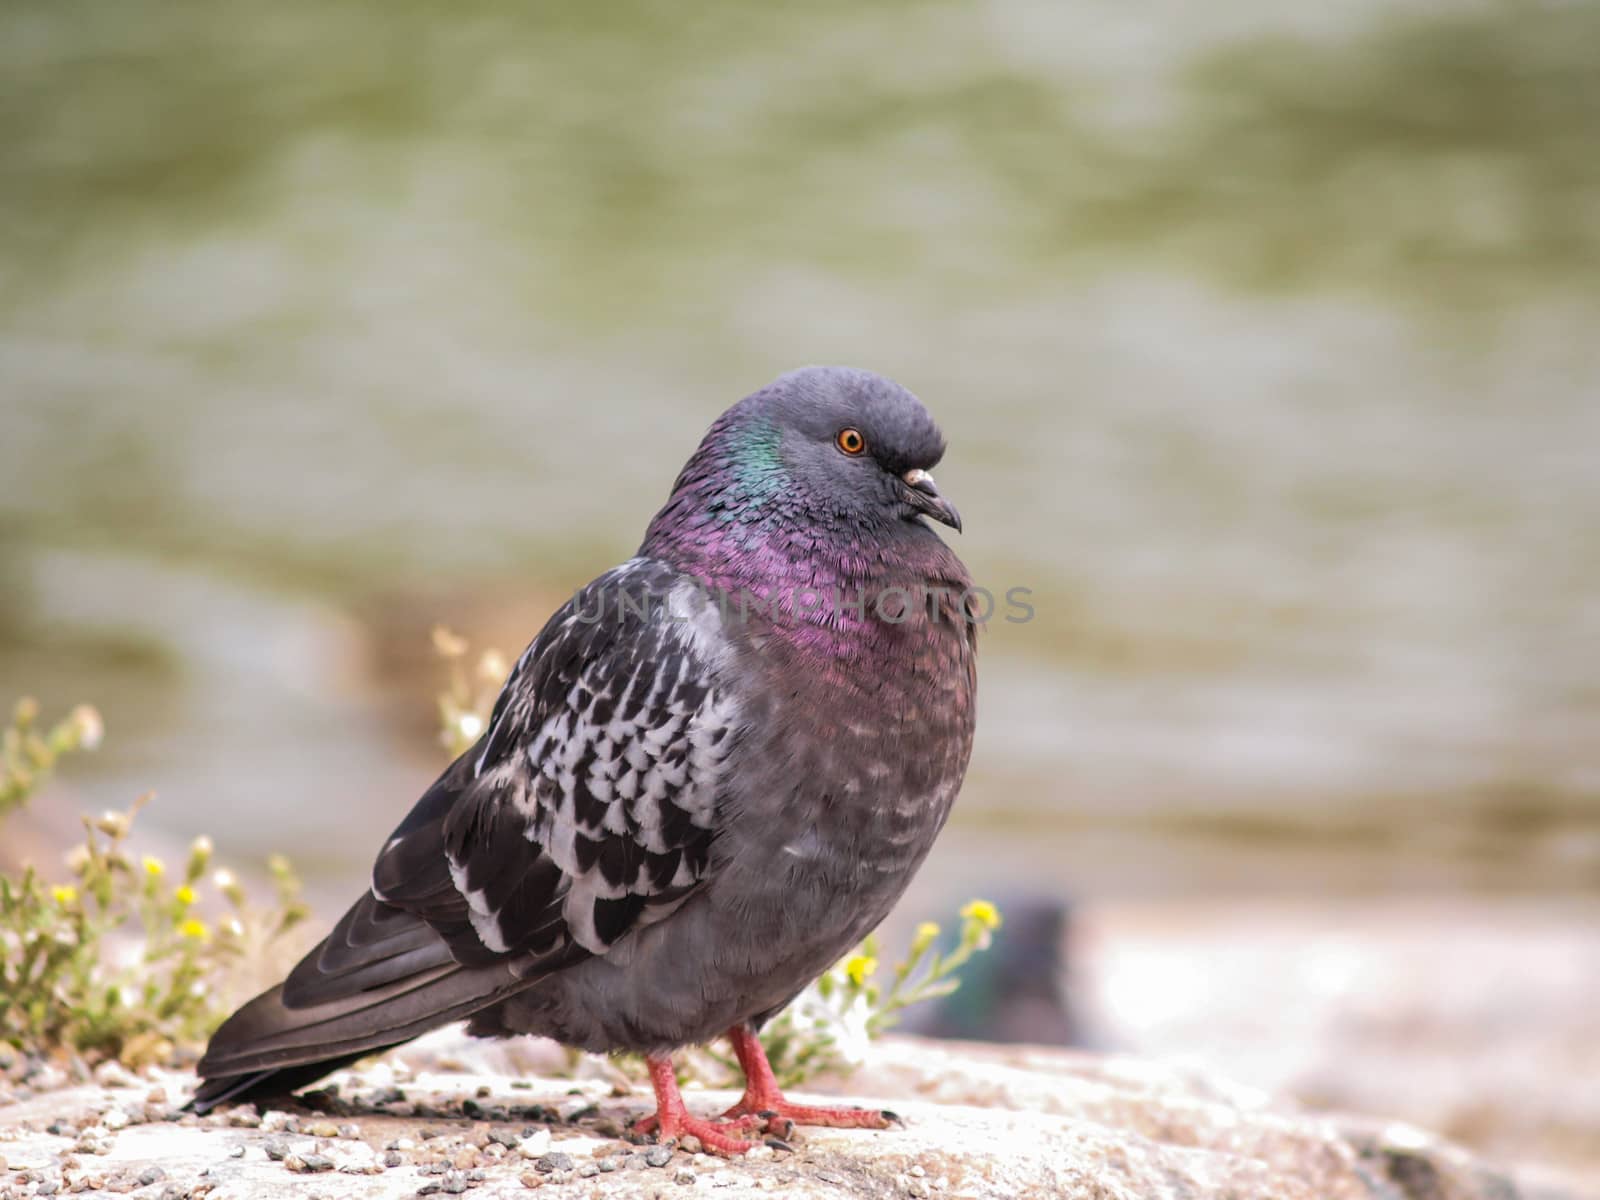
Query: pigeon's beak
x,y
925,498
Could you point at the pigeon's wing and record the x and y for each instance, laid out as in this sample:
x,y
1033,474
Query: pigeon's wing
x,y
589,806
587,809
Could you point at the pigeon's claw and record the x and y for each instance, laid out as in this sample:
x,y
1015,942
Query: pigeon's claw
x,y
764,1101
779,1117
672,1122
716,1137
650,1126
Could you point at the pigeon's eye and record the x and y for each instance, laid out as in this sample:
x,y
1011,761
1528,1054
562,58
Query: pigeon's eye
x,y
851,441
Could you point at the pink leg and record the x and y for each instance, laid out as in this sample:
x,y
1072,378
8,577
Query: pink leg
x,y
673,1121
762,1097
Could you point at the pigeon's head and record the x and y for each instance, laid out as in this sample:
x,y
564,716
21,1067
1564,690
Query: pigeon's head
x,y
840,441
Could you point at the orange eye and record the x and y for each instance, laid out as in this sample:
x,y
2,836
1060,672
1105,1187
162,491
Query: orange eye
x,y
851,441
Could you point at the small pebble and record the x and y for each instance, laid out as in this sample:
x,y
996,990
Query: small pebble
x,y
174,1191
608,1164
685,1176
455,1183
759,1153
403,1143
691,1145
276,1148
916,1172
237,1151
114,1119
588,1171
113,1074
506,1137
531,1179
48,1188
658,1156
46,1078
393,1158
555,1161
917,1187
428,1188
308,1164
151,1175
464,1159
244,1117
323,1129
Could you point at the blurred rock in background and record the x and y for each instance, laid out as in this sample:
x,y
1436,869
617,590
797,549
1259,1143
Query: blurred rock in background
x,y
1019,991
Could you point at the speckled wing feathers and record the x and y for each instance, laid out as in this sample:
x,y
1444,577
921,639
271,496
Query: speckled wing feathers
x,y
591,800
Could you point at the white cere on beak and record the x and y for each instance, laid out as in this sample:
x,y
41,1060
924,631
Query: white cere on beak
x,y
917,476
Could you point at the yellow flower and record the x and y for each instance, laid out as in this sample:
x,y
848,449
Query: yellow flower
x,y
981,911
924,937
185,894
154,867
64,894
194,929
860,967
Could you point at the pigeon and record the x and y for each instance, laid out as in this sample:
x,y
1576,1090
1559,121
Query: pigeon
x,y
713,772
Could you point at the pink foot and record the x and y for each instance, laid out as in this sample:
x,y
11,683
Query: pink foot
x,y
779,1116
672,1122
717,1137
763,1100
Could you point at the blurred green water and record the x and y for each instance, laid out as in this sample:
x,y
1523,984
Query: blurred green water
x,y
1263,341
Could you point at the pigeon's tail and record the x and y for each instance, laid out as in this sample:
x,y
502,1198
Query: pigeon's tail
x,y
382,977
265,1085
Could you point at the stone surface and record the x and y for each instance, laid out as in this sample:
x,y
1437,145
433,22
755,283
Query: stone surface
x,y
979,1123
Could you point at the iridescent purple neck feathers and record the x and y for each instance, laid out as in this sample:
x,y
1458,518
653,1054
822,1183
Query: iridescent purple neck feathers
x,y
768,544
